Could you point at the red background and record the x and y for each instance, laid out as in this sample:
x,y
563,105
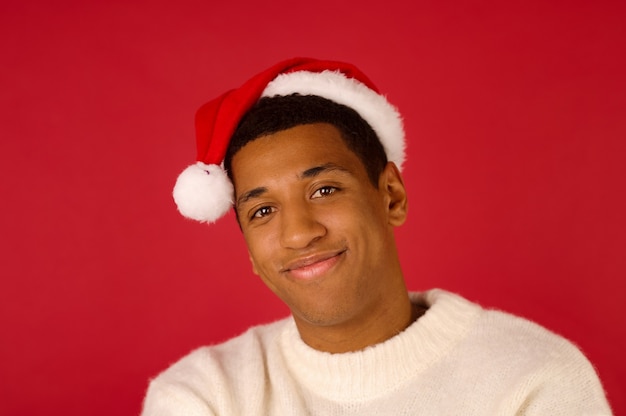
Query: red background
x,y
516,163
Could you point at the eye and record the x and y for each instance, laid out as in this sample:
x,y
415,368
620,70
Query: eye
x,y
262,212
324,191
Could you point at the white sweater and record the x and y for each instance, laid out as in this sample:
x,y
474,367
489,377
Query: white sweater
x,y
457,359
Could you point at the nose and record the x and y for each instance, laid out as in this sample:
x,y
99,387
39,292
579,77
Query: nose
x,y
300,227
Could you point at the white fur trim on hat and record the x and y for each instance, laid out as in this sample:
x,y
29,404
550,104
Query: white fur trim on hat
x,y
374,108
203,192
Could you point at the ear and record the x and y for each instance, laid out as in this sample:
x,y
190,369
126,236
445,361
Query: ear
x,y
392,185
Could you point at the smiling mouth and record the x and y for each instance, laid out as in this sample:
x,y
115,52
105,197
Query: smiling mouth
x,y
308,268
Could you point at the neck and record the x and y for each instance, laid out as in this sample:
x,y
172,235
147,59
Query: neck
x,y
380,325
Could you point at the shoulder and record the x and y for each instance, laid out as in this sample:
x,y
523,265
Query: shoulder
x,y
232,353
202,381
530,340
495,328
547,367
531,363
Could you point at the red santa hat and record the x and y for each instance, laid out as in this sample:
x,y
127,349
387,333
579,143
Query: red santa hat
x,y
203,191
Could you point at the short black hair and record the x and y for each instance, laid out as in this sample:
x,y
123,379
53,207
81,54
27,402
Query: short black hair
x,y
273,114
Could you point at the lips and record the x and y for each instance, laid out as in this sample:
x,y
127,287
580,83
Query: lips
x,y
310,267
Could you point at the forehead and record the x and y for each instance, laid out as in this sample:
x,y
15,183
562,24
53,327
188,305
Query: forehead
x,y
290,152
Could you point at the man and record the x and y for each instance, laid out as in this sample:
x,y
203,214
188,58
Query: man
x,y
312,156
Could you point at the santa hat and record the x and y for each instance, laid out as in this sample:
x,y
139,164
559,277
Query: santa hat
x,y
203,191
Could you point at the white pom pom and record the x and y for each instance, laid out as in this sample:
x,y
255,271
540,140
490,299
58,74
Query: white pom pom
x,y
203,192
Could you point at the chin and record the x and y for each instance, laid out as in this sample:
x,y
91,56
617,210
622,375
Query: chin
x,y
324,316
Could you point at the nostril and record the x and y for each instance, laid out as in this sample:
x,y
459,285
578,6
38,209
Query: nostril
x,y
300,230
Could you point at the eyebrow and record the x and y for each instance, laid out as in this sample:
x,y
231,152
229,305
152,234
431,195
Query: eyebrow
x,y
326,167
309,173
253,193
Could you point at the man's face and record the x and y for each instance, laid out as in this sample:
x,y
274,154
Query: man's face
x,y
319,234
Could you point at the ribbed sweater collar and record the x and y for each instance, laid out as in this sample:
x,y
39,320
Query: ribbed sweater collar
x,y
384,367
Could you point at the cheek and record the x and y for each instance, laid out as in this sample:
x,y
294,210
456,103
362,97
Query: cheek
x,y
260,250
359,216
255,269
